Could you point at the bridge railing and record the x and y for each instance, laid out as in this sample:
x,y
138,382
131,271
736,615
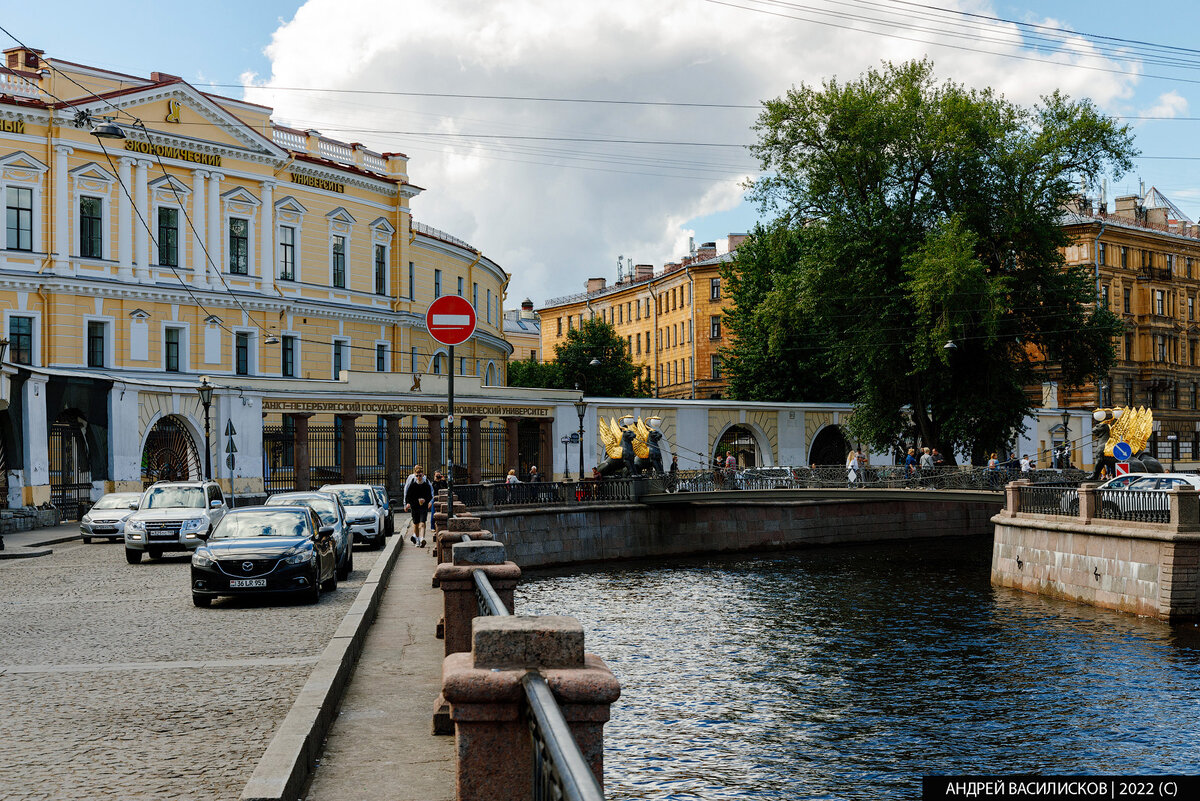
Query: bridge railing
x,y
1049,500
546,493
1179,506
885,476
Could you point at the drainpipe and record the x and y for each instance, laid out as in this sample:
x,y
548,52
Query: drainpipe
x,y
1096,263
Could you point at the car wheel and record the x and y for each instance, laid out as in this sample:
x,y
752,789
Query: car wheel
x,y
313,594
382,541
87,540
203,601
331,585
343,571
154,553
133,556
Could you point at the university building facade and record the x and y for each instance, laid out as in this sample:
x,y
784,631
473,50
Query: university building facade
x,y
155,233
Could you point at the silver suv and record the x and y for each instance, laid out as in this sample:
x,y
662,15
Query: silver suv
x,y
172,516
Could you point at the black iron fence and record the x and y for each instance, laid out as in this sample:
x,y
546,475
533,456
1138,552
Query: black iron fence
x,y
550,493
888,476
1145,506
1049,500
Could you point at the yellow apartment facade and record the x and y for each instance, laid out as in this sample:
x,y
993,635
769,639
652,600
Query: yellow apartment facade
x,y
671,321
156,233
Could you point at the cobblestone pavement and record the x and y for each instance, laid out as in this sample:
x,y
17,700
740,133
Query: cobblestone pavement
x,y
113,685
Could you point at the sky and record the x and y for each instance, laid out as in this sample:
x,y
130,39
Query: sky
x,y
617,130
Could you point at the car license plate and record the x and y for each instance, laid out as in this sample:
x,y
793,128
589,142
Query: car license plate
x,y
238,583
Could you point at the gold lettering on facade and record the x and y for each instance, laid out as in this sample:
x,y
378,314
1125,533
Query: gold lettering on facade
x,y
12,126
318,183
167,151
173,109
381,407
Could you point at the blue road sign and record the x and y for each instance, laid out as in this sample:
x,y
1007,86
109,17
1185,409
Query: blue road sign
x,y
1122,451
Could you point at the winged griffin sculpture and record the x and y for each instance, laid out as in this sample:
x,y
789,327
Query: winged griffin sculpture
x,y
630,449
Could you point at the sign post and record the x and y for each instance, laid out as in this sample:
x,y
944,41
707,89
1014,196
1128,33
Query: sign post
x,y
451,321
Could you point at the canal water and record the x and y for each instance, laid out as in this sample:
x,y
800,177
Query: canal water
x,y
848,673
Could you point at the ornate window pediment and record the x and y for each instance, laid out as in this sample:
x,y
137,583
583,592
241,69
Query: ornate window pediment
x,y
20,166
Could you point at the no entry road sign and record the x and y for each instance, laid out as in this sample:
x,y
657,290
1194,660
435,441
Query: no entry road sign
x,y
1122,468
450,320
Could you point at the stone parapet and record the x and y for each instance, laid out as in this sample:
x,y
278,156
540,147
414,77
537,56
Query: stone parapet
x,y
459,602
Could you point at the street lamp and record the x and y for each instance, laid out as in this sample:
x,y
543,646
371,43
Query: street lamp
x,y
3,348
1064,460
580,408
206,390
566,440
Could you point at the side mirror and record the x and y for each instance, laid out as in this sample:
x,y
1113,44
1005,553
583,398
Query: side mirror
x,y
325,531
133,505
204,535
215,504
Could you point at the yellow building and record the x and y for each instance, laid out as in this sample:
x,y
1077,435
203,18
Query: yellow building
x,y
522,329
156,232
672,321
1145,255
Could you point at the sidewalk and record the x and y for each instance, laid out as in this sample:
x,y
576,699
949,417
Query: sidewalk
x,y
25,544
380,746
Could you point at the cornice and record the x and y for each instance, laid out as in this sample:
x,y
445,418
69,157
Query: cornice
x,y
457,251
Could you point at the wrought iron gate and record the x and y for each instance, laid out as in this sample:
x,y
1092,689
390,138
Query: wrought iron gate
x,y
170,454
70,470
529,447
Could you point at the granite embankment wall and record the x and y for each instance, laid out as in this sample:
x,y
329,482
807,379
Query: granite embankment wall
x,y
700,523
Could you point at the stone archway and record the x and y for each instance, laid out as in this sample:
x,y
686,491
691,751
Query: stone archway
x,y
170,453
829,447
742,441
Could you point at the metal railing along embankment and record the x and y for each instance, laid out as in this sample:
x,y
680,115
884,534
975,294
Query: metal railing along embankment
x,y
560,772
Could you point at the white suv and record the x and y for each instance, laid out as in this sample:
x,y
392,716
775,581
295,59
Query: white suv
x,y
172,516
364,512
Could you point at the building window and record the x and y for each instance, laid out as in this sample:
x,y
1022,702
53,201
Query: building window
x,y
716,366
1160,348
380,270
638,342
1188,264
1127,297
437,283
412,278
287,253
19,217
1100,254
241,353
1192,395
1104,295
533,354
489,312
1124,257
381,358
560,326
339,262
289,357
1170,257
437,364
1191,308
1128,347
95,344
168,237
20,337
90,244
475,299
1158,302
620,313
570,323
171,348
338,359
460,286
714,327
239,246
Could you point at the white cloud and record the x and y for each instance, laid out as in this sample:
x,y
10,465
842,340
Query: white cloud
x,y
554,212
1170,104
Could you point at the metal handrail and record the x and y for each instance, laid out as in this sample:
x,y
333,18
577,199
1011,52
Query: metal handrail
x,y
489,600
559,770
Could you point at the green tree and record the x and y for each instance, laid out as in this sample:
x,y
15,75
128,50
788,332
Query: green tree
x,y
614,374
925,213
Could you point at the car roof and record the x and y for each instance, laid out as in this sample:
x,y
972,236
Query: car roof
x,y
329,496
344,486
121,494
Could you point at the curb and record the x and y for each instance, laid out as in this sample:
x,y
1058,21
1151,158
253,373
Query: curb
x,y
284,769
24,552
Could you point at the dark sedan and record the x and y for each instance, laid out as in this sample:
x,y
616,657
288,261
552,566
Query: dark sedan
x,y
260,549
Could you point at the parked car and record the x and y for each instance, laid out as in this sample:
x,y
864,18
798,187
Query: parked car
x,y
172,516
265,549
1146,496
107,516
330,510
389,525
363,511
1070,498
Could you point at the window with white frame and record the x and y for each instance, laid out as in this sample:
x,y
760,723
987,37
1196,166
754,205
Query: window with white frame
x,y
341,361
98,332
489,312
338,261
380,358
21,339
437,283
239,246
18,201
173,349
288,357
242,352
287,253
91,227
168,236
380,270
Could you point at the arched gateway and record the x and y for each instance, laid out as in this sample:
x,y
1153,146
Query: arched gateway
x,y
170,454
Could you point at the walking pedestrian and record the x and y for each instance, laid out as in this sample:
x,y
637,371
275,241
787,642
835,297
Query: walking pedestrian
x,y
852,468
926,465
1026,465
418,497
910,463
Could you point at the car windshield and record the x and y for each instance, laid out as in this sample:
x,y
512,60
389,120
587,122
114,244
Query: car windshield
x,y
1143,484
381,496
284,523
324,507
174,498
356,497
114,502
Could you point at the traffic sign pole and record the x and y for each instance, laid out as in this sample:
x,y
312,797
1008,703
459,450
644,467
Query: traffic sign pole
x,y
450,433
450,320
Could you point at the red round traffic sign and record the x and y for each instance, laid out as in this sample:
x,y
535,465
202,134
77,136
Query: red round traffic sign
x,y
450,320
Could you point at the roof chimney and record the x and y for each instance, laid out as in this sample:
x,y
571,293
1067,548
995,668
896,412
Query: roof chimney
x,y
595,285
527,305
643,272
706,251
734,241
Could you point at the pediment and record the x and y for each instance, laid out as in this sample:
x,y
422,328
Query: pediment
x,y
381,225
341,215
170,184
176,114
92,172
239,194
290,205
20,160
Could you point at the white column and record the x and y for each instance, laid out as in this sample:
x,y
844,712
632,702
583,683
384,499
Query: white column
x,y
199,266
124,438
125,221
266,247
141,236
214,228
36,440
62,221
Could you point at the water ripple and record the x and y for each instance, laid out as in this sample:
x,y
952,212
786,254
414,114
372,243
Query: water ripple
x,y
850,673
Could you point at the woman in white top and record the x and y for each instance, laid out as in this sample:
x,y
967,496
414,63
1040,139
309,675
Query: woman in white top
x,y
512,477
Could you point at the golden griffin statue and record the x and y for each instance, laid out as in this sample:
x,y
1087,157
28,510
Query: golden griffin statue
x,y
633,447
1131,425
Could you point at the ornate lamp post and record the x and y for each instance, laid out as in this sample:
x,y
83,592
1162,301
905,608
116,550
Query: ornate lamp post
x,y
1064,460
205,391
580,408
566,440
